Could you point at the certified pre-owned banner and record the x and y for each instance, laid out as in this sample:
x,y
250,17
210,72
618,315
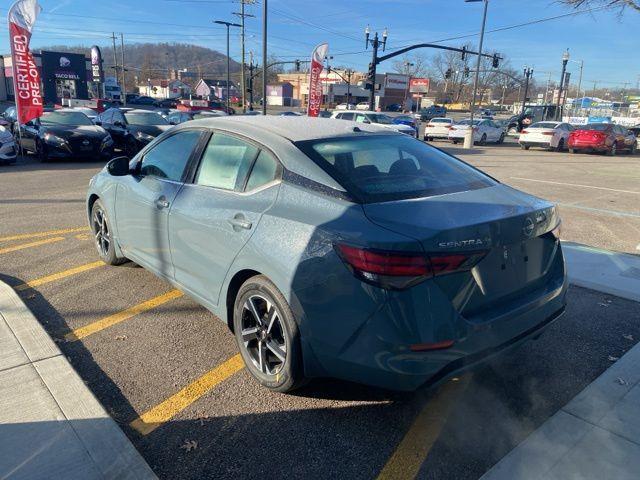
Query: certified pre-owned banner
x,y
26,78
315,86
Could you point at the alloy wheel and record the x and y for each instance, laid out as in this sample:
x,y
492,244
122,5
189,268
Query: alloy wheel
x,y
263,335
101,231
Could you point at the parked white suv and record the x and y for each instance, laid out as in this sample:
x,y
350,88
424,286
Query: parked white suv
x,y
375,118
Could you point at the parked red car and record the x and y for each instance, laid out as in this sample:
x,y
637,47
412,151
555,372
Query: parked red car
x,y
602,137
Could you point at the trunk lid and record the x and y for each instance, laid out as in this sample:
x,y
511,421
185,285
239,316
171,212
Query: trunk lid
x,y
510,226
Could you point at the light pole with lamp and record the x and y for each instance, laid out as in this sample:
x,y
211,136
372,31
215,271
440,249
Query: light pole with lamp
x,y
468,139
407,66
227,24
527,75
565,60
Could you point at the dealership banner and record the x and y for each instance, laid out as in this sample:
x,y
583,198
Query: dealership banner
x,y
26,78
315,85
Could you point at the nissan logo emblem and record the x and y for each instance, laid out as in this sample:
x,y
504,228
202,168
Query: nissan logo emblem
x,y
85,142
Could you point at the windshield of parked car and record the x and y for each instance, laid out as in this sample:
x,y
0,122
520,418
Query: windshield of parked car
x,y
392,167
544,125
65,118
380,118
150,118
601,127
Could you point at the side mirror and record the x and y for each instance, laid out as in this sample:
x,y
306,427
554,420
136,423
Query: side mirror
x,y
98,123
118,123
119,167
173,122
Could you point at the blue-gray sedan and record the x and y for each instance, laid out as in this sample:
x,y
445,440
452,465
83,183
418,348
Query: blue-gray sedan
x,y
334,248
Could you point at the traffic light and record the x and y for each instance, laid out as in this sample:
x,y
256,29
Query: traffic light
x,y
466,72
371,76
448,73
496,60
297,65
464,53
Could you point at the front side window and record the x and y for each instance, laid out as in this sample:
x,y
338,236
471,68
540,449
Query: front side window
x,y
225,162
385,167
169,158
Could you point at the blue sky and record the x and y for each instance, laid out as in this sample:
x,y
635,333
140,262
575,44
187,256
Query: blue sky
x,y
605,41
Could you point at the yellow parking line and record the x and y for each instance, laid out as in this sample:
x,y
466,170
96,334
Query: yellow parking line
x,y
165,411
58,276
116,318
425,430
22,246
43,234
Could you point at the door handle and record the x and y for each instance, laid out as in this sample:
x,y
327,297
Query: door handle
x,y
162,202
240,222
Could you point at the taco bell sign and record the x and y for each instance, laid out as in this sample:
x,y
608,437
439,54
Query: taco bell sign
x,y
97,74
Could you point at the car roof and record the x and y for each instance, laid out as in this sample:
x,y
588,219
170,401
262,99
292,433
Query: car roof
x,y
294,128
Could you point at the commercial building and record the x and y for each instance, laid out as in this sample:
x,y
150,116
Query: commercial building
x,y
63,75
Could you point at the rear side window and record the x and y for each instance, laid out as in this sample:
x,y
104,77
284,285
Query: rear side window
x,y
263,171
346,116
168,159
389,167
225,162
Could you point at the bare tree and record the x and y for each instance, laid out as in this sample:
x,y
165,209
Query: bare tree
x,y
634,4
415,65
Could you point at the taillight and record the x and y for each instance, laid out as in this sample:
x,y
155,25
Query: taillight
x,y
399,270
451,128
524,131
547,133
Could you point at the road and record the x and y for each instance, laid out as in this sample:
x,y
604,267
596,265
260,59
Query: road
x,y
164,367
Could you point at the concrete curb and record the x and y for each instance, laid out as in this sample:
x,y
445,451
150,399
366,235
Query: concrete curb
x,y
52,425
603,270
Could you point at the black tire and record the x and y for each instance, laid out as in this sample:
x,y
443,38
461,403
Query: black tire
x,y
427,139
41,152
103,239
632,149
560,146
483,139
573,150
612,151
272,372
501,139
455,142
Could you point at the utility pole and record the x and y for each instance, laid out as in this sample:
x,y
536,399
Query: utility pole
x,y
468,140
250,81
407,66
264,57
565,59
242,16
124,88
115,60
527,75
375,43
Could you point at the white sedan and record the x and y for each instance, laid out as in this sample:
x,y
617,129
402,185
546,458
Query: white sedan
x,y
362,106
347,106
437,128
550,135
376,118
484,131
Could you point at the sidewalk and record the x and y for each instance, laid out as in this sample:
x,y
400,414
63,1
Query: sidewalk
x,y
51,425
597,434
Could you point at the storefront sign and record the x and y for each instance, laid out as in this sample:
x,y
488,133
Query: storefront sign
x,y
315,85
97,74
395,81
67,75
26,78
419,85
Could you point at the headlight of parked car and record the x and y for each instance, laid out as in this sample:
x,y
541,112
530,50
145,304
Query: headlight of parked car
x,y
144,137
54,139
107,141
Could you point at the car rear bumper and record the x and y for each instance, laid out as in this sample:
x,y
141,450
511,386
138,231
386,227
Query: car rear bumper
x,y
376,350
535,143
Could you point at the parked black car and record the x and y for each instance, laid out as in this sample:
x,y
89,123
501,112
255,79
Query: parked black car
x,y
433,111
65,133
636,130
394,107
216,105
166,103
142,100
132,129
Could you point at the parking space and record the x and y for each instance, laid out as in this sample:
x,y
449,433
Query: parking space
x,y
168,372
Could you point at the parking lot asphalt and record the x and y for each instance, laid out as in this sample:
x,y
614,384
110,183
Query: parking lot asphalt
x,y
166,369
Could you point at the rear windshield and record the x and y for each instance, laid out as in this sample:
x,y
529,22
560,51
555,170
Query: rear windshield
x,y
151,118
544,125
381,168
601,127
440,120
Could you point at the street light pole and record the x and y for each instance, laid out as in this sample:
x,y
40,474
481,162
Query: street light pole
x,y
227,24
565,59
375,43
264,57
527,75
468,140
